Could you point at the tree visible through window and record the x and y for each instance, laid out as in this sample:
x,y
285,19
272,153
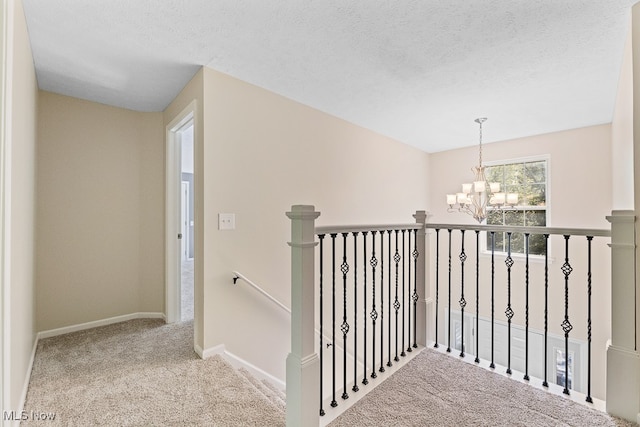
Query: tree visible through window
x,y
529,180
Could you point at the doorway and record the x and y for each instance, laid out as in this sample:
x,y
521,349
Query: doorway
x,y
180,221
187,223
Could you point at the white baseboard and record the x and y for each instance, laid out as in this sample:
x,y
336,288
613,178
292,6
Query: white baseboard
x,y
238,362
97,323
219,349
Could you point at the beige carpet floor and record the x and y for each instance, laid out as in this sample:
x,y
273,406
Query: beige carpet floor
x,y
145,373
141,373
434,389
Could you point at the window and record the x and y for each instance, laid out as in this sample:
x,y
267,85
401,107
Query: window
x,y
561,368
528,179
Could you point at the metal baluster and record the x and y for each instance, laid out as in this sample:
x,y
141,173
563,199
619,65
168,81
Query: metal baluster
x,y
526,307
589,399
404,247
396,303
365,381
415,297
334,403
493,301
437,280
477,360
374,313
321,237
546,305
463,302
449,319
409,349
566,325
381,369
389,303
344,327
509,312
355,312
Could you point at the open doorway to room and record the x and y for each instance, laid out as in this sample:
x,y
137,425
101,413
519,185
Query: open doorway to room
x,y
180,219
186,221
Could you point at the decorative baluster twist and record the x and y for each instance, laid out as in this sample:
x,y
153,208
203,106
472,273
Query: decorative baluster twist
x,y
566,325
374,313
463,302
344,327
509,312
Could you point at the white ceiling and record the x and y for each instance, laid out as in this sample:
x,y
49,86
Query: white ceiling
x,y
417,71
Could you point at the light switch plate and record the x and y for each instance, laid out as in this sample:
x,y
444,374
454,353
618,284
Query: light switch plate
x,y
226,221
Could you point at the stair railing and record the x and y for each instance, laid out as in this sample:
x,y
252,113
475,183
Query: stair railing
x,y
390,297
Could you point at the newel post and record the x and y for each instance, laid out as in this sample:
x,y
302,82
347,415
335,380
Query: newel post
x,y
303,367
623,359
421,288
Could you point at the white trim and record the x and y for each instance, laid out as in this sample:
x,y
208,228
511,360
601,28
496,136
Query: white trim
x,y
97,323
238,362
204,354
172,210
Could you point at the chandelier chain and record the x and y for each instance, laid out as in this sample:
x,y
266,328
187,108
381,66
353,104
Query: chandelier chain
x,y
480,151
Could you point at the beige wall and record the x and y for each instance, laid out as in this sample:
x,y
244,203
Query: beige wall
x,y
622,135
100,214
263,153
579,175
580,179
21,138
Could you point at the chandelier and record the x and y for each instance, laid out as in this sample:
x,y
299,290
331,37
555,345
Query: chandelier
x,y
480,195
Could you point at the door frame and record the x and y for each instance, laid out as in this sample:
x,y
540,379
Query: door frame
x,y
185,219
6,43
173,185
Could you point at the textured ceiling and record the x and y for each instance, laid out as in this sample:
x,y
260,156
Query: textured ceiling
x,y
417,71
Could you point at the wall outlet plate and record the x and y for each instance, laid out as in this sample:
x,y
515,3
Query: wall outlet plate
x,y
226,221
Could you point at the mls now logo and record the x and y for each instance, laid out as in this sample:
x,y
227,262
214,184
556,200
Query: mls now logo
x,y
15,415
25,416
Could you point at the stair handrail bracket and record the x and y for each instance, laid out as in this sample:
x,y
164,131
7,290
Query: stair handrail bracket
x,y
303,362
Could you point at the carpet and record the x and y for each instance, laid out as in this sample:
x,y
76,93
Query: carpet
x,y
434,389
141,373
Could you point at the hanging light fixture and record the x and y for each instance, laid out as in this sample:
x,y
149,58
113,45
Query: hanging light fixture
x,y
476,197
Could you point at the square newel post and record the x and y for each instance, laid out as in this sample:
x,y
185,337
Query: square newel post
x,y
303,367
421,289
623,359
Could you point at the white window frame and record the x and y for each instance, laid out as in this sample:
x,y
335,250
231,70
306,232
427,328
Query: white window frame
x,y
484,249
